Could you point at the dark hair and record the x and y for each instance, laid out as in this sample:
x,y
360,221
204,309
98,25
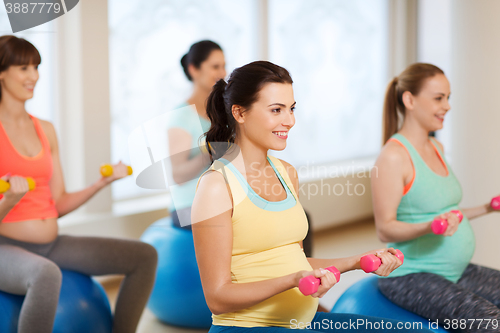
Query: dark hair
x,y
241,89
198,53
16,51
411,79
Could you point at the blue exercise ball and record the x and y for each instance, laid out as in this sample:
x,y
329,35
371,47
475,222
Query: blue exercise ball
x,y
83,307
177,297
364,298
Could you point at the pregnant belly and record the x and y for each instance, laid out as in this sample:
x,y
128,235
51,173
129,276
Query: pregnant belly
x,y
32,231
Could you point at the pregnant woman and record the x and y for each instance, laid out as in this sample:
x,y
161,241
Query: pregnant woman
x,y
415,185
32,252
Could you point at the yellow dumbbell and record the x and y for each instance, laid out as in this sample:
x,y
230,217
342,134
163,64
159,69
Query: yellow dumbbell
x,y
107,170
4,185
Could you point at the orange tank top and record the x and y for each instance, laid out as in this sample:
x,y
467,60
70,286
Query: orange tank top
x,y
37,204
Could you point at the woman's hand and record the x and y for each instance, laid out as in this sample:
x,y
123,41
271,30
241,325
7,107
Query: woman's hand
x,y
18,188
389,261
453,223
327,280
119,171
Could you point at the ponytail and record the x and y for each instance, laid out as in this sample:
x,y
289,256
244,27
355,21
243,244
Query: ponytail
x,y
391,116
242,90
222,130
198,53
411,79
185,65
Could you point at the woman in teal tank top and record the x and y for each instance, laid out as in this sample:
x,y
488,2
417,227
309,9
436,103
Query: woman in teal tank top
x,y
204,65
248,224
412,185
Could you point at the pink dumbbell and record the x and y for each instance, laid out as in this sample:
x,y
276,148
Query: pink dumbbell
x,y
495,203
309,285
440,225
370,262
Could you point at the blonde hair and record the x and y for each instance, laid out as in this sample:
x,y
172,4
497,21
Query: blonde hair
x,y
411,79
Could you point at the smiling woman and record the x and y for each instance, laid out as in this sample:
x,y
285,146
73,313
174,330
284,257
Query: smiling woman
x,y
32,253
23,77
416,186
237,96
44,103
407,86
203,65
248,223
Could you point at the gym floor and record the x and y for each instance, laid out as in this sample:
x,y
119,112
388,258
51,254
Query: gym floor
x,y
343,241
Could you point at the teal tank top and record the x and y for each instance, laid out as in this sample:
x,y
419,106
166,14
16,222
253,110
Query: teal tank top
x,y
186,118
429,196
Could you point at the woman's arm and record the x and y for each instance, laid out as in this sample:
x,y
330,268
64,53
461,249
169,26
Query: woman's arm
x,y
389,261
68,202
342,264
388,257
184,168
18,188
387,191
478,211
212,233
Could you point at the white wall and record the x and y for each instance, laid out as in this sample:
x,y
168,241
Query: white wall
x,y
476,122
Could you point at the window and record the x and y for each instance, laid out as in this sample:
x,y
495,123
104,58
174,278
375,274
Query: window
x,y
336,52
147,41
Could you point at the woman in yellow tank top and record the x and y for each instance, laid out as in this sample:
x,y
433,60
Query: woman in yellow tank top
x,y
247,222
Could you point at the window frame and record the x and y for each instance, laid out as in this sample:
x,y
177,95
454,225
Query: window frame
x,y
84,99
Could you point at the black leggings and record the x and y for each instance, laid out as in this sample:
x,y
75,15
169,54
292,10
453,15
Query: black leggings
x,y
470,304
34,270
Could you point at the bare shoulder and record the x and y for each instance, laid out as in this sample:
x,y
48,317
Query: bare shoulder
x,y
47,126
392,154
292,172
440,145
212,197
49,131
212,183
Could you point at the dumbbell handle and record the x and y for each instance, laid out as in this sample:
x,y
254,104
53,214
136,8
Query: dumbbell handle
x,y
495,203
309,285
4,185
440,225
107,170
370,262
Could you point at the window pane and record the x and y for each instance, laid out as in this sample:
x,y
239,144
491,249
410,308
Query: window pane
x,y
336,52
434,47
147,41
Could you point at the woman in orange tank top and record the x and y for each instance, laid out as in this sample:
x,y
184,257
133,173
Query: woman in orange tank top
x,y
31,250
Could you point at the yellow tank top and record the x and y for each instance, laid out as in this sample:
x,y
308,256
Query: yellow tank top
x,y
266,238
